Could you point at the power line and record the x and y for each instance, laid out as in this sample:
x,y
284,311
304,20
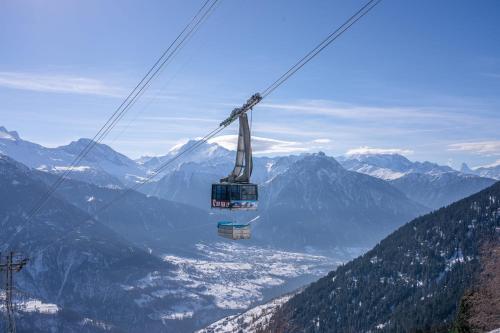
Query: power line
x,y
155,172
12,264
130,100
321,46
253,101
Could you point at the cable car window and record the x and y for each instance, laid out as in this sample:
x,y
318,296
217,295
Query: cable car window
x,y
248,192
235,192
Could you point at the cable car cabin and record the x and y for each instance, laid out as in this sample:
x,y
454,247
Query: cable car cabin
x,y
235,196
233,231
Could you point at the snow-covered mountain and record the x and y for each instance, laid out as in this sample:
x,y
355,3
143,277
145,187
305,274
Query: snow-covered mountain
x,y
189,179
439,190
144,264
76,264
388,166
427,183
210,154
102,166
317,203
489,171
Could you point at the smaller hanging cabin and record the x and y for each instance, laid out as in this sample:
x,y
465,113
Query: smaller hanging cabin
x,y
234,231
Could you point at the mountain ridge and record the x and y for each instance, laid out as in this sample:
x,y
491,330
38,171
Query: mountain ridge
x,y
413,280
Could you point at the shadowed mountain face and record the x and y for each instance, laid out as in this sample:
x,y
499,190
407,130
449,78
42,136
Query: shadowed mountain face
x,y
90,275
76,263
439,190
152,223
412,281
317,203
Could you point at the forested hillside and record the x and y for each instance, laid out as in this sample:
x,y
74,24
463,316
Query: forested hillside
x,y
412,281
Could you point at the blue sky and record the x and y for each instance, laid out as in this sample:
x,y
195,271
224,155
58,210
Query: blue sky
x,y
417,77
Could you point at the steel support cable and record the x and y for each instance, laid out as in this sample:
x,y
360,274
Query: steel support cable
x,y
164,86
130,100
127,191
308,57
321,46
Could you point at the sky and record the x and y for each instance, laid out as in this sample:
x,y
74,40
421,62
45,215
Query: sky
x,y
420,78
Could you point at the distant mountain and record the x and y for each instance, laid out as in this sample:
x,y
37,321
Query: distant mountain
x,y
144,264
427,183
208,153
189,180
414,280
78,264
439,190
317,203
489,171
102,166
147,221
389,166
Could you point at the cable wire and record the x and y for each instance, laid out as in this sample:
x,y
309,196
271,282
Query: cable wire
x,y
308,57
321,46
130,100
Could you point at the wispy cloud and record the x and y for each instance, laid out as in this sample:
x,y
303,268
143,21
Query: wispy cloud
x,y
487,148
370,150
267,146
487,166
58,84
403,114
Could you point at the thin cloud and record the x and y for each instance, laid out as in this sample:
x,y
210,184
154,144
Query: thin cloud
x,y
58,84
488,148
403,114
487,166
267,146
371,151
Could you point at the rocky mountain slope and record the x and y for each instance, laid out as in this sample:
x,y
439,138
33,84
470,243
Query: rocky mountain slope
x,y
317,203
427,183
76,263
144,264
412,281
439,190
489,171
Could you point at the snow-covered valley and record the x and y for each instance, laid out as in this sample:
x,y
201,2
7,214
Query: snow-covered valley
x,y
228,278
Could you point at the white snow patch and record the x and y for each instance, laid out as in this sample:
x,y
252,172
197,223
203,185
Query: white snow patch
x,y
249,321
81,168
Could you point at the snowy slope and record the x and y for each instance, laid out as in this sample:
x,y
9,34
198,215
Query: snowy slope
x,y
389,166
251,321
102,166
489,171
427,183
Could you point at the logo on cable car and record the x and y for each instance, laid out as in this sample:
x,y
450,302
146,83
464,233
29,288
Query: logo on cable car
x,y
221,204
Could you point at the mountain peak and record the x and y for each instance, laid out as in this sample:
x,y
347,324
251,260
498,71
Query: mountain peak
x,y
5,134
465,168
